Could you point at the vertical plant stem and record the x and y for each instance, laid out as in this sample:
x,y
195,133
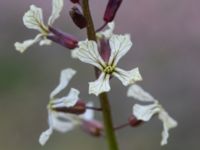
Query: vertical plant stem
x,y
107,118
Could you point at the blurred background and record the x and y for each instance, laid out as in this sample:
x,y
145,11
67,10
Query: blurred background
x,y
166,36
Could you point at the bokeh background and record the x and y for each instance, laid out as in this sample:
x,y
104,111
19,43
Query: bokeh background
x,y
166,36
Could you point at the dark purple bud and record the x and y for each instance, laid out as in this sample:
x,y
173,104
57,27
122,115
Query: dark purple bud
x,y
62,38
78,18
111,10
75,1
78,109
93,127
134,122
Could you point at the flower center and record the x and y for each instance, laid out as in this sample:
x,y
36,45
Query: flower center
x,y
109,69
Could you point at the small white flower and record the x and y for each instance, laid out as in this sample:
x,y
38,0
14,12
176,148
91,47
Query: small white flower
x,y
60,121
145,112
33,19
88,53
108,32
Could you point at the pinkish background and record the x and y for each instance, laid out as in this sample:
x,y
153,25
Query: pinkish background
x,y
166,36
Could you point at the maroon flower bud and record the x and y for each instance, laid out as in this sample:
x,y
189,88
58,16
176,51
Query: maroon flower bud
x,y
93,127
75,1
78,18
111,10
134,122
105,49
78,109
62,38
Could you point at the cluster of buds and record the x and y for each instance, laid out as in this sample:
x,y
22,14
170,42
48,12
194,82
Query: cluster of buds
x,y
68,112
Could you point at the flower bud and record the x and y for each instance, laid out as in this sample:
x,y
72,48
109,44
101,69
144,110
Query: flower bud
x,y
75,1
78,18
62,38
105,49
134,122
78,109
111,10
93,127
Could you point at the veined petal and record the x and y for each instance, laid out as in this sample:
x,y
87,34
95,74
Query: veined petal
x,y
65,76
89,114
57,6
100,85
120,45
140,94
68,101
44,137
62,122
21,47
45,41
145,112
168,123
108,32
88,53
33,18
128,77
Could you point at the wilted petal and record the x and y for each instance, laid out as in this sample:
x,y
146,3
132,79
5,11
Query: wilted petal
x,y
21,47
88,53
65,76
57,6
139,93
108,32
33,18
100,85
89,114
145,112
44,137
68,101
45,41
120,45
168,123
128,77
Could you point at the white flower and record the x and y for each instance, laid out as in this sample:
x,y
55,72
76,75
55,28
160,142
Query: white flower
x,y
88,53
33,19
145,112
60,121
108,32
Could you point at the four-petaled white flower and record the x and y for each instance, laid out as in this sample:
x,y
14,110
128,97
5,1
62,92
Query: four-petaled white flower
x,y
88,53
60,121
145,112
33,19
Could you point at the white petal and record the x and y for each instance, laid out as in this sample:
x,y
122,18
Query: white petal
x,y
145,112
89,114
168,123
33,18
44,137
108,32
57,6
62,122
65,76
68,101
45,41
128,77
21,47
88,53
100,85
120,45
139,93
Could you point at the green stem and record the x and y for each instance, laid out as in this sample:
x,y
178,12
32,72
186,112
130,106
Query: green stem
x,y
107,118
